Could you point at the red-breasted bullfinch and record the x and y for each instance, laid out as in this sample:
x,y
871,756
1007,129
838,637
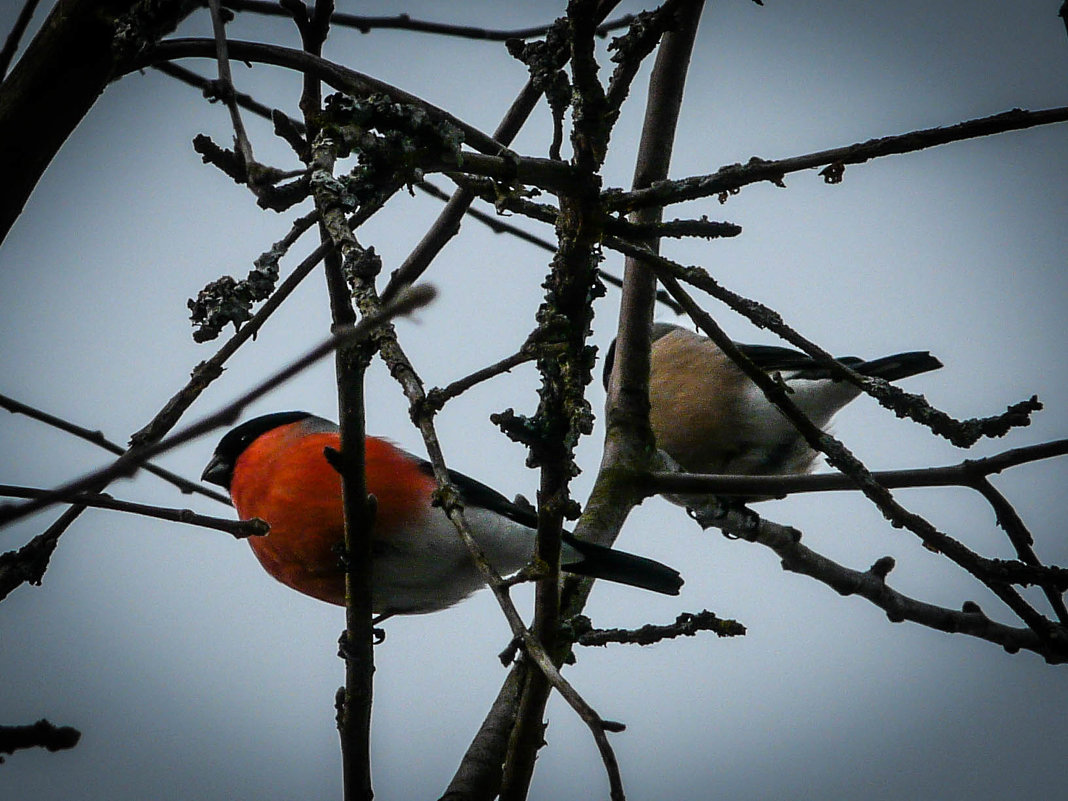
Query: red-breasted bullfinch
x,y
275,468
710,418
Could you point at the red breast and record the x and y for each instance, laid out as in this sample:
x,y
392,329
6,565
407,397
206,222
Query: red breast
x,y
284,478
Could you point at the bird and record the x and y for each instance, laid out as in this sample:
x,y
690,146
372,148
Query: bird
x,y
709,417
276,468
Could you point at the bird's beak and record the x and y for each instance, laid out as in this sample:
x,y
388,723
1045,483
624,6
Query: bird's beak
x,y
217,472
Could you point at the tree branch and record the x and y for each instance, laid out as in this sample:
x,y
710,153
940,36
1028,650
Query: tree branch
x,y
963,474
14,36
728,180
77,51
962,433
404,22
97,438
687,624
239,529
871,584
130,462
41,734
341,78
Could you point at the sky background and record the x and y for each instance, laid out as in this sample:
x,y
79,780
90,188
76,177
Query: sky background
x,y
193,675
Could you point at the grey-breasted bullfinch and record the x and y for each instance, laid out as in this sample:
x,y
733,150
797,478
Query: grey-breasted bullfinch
x,y
710,418
276,469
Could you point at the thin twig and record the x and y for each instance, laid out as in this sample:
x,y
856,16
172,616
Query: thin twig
x,y
962,433
226,86
404,22
191,78
130,462
437,397
98,438
239,529
499,226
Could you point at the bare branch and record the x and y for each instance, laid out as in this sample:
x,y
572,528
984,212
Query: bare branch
x,y
41,734
729,179
499,226
97,438
404,22
14,36
963,474
871,584
58,78
343,79
239,529
687,624
962,433
131,461
207,371
436,398
226,85
29,563
989,572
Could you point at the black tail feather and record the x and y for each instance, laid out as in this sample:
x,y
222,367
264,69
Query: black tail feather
x,y
901,365
626,568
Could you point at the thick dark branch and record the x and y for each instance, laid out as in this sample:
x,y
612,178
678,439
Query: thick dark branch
x,y
41,734
732,177
239,529
74,55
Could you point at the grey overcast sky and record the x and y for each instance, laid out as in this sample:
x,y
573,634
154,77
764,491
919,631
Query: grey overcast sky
x,y
194,675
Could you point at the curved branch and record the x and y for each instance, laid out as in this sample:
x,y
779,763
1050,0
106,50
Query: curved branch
x,y
341,78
